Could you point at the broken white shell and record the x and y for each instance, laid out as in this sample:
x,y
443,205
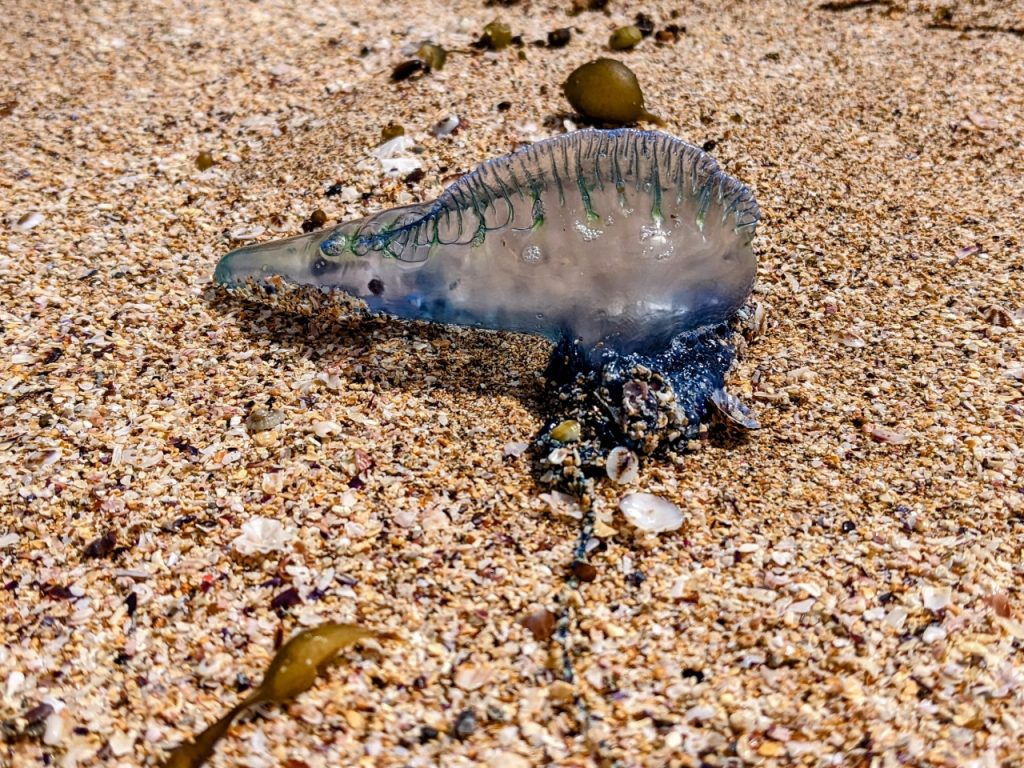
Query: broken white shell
x,y
261,535
651,513
622,465
936,598
732,411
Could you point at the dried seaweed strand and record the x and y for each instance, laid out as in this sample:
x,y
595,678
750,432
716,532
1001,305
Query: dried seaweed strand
x,y
292,671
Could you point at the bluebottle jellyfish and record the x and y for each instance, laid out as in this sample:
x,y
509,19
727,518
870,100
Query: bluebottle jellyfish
x,y
630,249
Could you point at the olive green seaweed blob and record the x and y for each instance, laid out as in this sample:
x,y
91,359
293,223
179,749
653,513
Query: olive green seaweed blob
x,y
292,671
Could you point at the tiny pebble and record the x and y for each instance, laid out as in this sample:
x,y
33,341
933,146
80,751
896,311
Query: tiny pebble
x,y
999,602
742,721
669,34
771,749
558,456
578,6
699,713
272,482
261,419
121,743
561,692
559,38
541,624
286,599
315,221
101,546
882,434
471,677
261,535
514,449
434,56
851,340
413,178
644,23
584,571
693,674
465,724
896,618
802,606
406,69
782,558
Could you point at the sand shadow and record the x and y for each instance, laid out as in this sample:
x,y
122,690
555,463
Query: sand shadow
x,y
410,355
419,356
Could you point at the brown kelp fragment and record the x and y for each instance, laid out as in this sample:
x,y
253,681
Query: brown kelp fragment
x,y
292,671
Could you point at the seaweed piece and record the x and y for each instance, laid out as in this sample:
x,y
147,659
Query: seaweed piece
x,y
624,38
606,90
292,671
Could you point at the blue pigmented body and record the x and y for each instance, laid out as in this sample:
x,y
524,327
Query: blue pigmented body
x,y
626,237
631,248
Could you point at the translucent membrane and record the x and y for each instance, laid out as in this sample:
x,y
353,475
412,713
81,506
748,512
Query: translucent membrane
x,y
621,239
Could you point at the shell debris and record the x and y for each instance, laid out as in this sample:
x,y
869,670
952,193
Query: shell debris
x,y
622,465
651,513
890,261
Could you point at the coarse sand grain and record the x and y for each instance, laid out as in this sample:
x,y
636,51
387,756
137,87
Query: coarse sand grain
x,y
186,479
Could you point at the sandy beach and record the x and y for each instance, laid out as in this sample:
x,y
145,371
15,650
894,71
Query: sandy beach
x,y
187,478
